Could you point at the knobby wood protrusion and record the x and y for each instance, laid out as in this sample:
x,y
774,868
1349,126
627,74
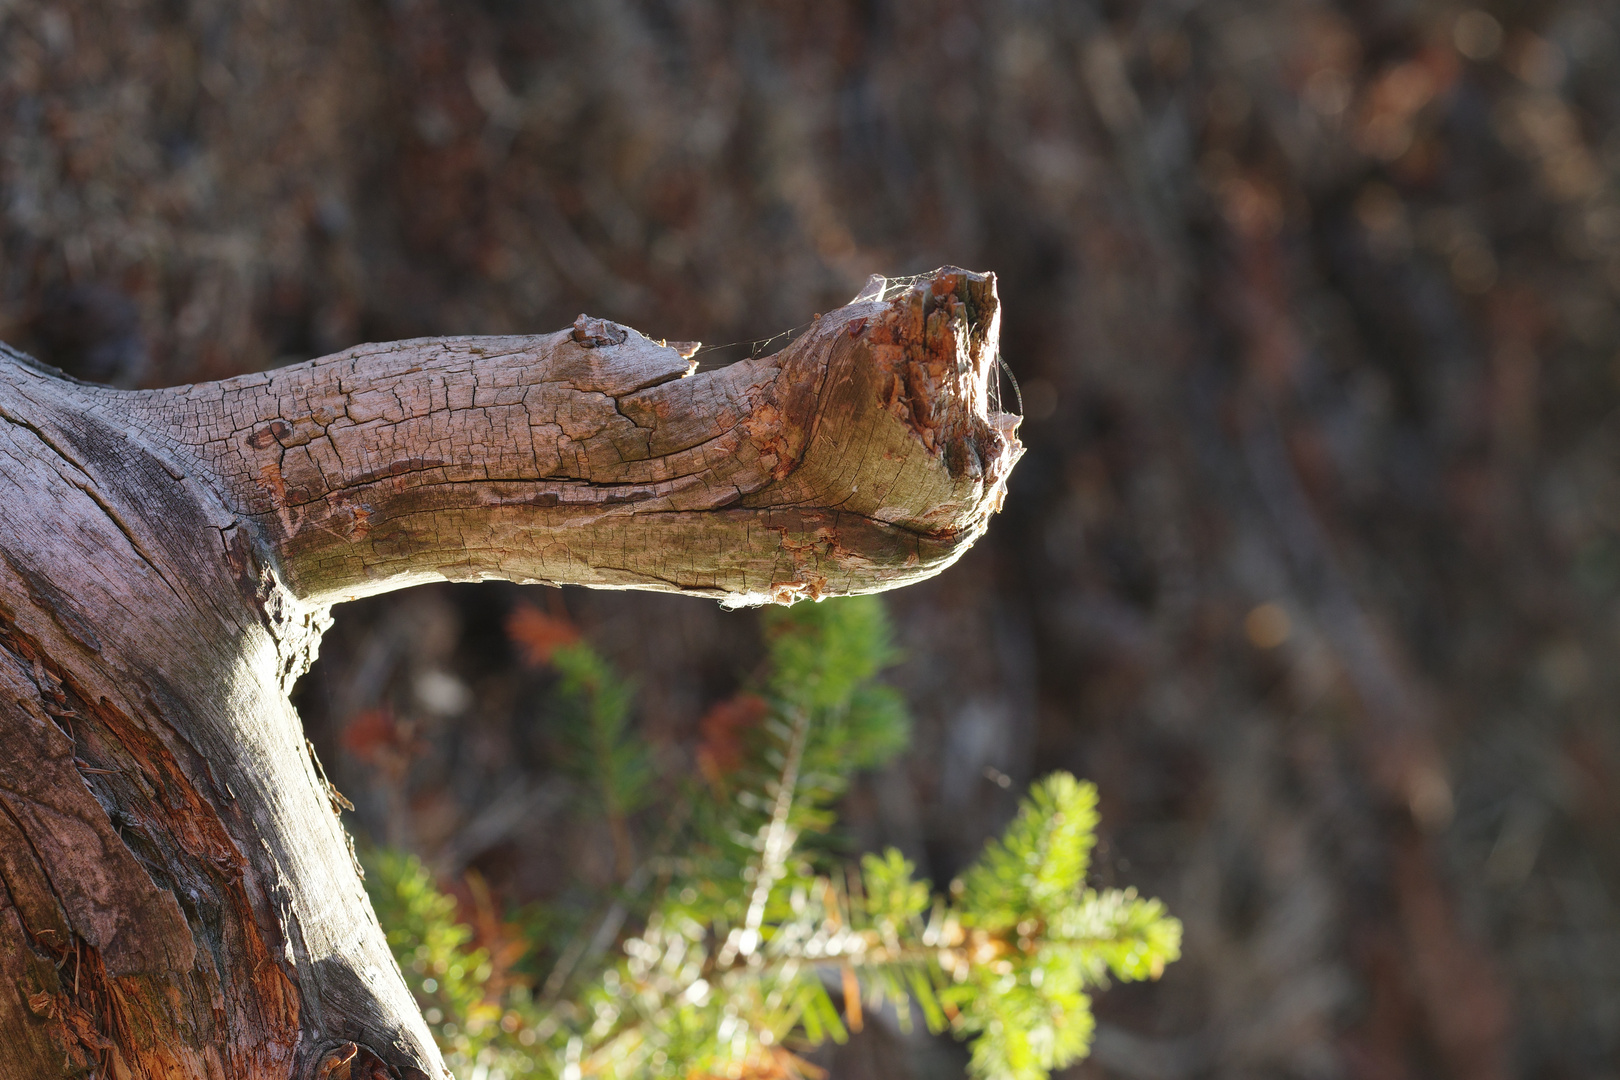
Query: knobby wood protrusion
x,y
178,897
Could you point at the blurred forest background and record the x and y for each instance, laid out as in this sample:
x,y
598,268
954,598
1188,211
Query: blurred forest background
x,y
1314,561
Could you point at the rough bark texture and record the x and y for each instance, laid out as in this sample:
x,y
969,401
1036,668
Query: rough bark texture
x,y
179,897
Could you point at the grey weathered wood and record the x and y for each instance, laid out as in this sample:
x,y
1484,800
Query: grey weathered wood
x,y
179,898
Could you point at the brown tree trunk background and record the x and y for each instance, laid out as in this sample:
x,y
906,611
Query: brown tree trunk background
x,y
1314,557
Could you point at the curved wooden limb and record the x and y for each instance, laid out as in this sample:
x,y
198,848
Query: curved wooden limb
x,y
863,456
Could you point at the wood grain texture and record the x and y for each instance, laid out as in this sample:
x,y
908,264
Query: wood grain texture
x,y
177,897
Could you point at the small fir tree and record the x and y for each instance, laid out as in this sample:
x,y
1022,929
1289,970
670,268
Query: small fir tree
x,y
740,940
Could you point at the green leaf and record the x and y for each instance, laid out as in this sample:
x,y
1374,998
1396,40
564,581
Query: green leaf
x,y
891,894
821,652
1119,932
1040,862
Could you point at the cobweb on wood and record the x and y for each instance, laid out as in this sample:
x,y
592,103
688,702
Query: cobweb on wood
x,y
756,348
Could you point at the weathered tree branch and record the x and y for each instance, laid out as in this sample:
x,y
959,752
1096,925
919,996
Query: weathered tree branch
x,y
179,899
862,456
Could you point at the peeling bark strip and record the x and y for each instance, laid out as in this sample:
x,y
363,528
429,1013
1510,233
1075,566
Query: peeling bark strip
x,y
176,895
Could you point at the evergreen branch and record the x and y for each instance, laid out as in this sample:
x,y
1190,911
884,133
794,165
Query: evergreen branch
x,y
776,844
733,966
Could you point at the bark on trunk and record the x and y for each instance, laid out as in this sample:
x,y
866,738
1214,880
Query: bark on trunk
x,y
179,898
